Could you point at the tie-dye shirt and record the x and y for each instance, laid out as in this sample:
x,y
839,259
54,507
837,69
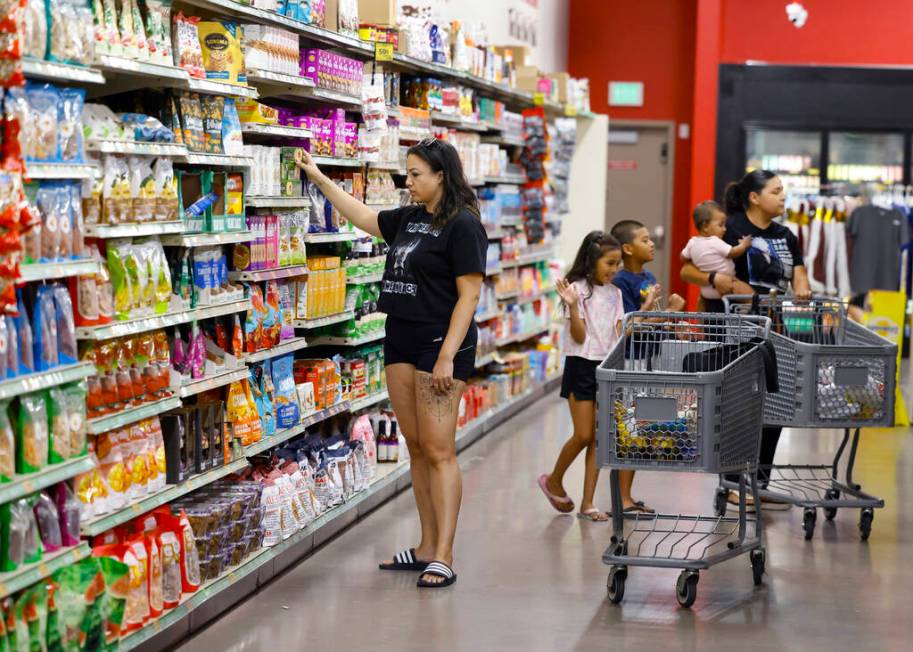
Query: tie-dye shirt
x,y
602,309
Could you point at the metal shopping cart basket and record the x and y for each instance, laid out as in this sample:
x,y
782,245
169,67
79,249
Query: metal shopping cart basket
x,y
833,373
682,393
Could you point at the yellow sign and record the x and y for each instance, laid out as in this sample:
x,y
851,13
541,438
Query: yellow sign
x,y
886,317
383,52
539,99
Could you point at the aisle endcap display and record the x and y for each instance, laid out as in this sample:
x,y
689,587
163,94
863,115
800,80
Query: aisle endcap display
x,y
144,324
117,420
106,231
324,321
55,270
44,379
23,485
286,346
30,574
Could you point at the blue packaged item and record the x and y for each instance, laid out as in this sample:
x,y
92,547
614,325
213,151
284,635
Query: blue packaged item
x,y
288,412
12,347
303,11
41,123
44,321
262,388
24,333
66,326
70,147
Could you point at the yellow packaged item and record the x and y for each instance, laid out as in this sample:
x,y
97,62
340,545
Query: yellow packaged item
x,y
253,111
222,56
242,413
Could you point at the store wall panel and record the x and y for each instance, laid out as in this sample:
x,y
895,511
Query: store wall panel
x,y
651,41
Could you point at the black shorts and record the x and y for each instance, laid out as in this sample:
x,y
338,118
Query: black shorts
x,y
419,344
579,378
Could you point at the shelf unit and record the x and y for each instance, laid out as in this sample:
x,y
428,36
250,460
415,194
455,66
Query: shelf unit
x,y
120,419
45,379
369,400
269,274
282,436
24,577
493,271
521,337
144,324
56,270
61,72
36,170
318,238
497,234
319,322
334,161
276,202
507,178
206,239
23,485
273,131
329,340
218,160
365,279
135,147
221,379
288,346
133,230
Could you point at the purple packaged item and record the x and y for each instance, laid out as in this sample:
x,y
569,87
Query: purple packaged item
x,y
48,522
68,511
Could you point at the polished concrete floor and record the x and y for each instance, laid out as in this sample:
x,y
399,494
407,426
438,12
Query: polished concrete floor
x,y
530,579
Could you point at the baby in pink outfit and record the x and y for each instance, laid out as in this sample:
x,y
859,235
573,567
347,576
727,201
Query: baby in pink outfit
x,y
709,252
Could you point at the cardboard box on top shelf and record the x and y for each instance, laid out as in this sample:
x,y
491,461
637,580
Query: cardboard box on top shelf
x,y
520,55
377,12
528,78
560,86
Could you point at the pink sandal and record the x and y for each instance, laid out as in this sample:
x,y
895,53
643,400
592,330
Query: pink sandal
x,y
563,504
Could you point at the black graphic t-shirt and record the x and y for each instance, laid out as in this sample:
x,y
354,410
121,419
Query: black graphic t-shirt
x,y
423,264
773,255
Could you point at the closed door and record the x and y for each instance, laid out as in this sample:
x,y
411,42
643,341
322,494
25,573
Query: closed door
x,y
637,187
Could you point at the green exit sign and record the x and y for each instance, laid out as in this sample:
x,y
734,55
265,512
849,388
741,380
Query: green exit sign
x,y
622,93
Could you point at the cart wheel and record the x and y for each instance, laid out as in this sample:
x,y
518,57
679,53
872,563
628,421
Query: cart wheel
x,y
808,522
616,583
831,512
758,557
686,588
865,523
720,500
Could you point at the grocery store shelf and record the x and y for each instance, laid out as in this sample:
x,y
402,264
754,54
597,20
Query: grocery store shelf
x,y
44,379
486,359
273,131
133,230
324,321
521,337
32,573
143,324
333,97
282,436
105,522
390,166
135,147
329,340
495,234
288,346
221,160
413,134
504,296
493,271
237,583
338,162
269,274
369,400
276,202
119,68
521,300
364,279
505,140
535,257
55,270
206,239
213,87
61,72
507,178
212,382
108,422
457,122
60,171
277,85
317,238
485,316
23,485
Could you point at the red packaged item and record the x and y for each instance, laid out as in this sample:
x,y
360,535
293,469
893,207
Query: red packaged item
x,y
190,557
136,609
156,599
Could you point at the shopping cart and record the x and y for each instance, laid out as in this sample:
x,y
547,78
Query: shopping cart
x,y
833,373
682,393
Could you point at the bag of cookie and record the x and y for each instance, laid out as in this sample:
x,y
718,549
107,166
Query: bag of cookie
x,y
186,41
221,46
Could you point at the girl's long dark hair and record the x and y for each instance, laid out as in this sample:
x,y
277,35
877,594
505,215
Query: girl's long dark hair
x,y
736,197
441,156
595,245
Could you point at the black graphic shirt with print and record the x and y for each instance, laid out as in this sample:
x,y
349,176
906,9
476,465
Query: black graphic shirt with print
x,y
774,254
419,282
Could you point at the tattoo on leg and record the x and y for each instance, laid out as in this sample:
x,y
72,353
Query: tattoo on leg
x,y
440,403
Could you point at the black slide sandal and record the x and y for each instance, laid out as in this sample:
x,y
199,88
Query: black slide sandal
x,y
405,561
438,569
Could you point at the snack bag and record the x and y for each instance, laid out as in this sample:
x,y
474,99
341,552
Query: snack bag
x,y
75,587
223,60
48,520
158,31
122,286
40,143
142,188
287,310
32,442
288,412
59,444
7,444
46,201
190,558
232,141
187,52
212,106
136,607
68,513
154,555
191,113
66,329
112,470
166,195
116,575
170,547
117,204
75,397
242,413
69,128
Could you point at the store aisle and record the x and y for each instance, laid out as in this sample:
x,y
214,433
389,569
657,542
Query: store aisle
x,y
530,579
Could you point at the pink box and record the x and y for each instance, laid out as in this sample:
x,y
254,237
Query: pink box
x,y
271,253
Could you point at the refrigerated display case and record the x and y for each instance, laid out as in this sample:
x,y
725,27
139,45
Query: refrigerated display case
x,y
856,158
794,155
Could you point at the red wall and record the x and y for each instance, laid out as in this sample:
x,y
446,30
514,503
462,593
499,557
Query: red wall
x,y
650,41
866,32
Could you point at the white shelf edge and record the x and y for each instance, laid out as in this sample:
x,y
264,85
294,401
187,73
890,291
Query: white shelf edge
x,y
288,346
221,379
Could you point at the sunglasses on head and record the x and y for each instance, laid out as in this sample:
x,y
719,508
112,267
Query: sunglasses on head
x,y
428,142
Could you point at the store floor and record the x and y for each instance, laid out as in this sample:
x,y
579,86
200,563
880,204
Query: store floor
x,y
530,579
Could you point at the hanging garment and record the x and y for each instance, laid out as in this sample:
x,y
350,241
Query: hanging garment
x,y
814,245
877,235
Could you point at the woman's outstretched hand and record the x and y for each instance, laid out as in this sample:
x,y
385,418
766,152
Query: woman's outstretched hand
x,y
305,162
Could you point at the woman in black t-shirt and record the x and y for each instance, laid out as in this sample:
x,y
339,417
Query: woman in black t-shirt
x,y
430,289
774,262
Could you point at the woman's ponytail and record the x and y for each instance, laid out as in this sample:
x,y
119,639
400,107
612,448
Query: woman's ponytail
x,y
732,198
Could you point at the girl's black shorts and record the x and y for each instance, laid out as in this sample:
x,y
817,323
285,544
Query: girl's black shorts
x,y
579,378
419,344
